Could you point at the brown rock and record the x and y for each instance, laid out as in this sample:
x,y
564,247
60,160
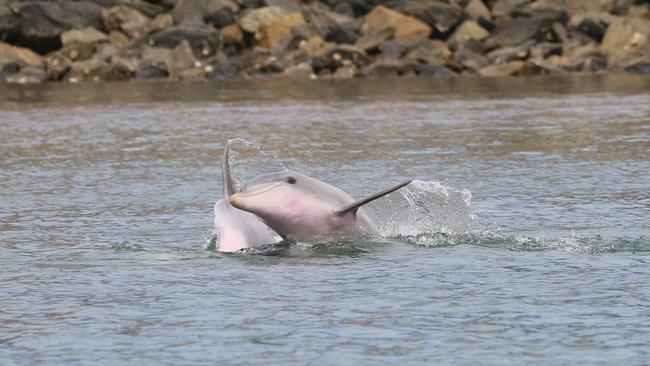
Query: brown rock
x,y
405,26
627,41
509,69
508,54
345,72
430,51
84,36
9,53
57,65
592,24
88,70
508,8
276,36
126,19
118,39
477,10
438,15
254,19
302,70
388,67
232,34
469,29
181,58
161,21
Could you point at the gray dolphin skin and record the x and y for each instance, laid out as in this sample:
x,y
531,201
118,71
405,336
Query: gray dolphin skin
x,y
299,207
236,229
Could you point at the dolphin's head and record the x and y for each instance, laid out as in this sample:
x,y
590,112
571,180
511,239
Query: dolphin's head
x,y
288,202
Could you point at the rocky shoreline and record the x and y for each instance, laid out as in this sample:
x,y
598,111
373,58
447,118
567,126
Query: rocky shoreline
x,y
75,41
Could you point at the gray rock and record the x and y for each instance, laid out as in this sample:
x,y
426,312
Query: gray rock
x,y
147,8
57,65
508,54
592,24
88,70
509,8
337,55
393,49
151,72
222,71
439,16
433,70
470,59
300,71
539,27
388,67
180,59
342,35
197,12
254,19
433,52
204,41
39,24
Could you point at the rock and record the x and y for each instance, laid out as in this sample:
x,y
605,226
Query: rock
x,y
205,41
9,53
118,39
106,51
122,68
544,49
148,8
88,70
477,10
430,51
123,18
197,12
57,65
180,59
508,54
372,39
254,19
469,29
344,8
575,6
332,57
325,21
8,22
84,36
345,72
592,24
156,57
223,71
433,70
161,21
342,35
39,24
387,67
627,42
232,34
470,59
28,75
405,26
300,71
78,51
151,72
276,36
509,69
539,27
509,8
393,49
439,16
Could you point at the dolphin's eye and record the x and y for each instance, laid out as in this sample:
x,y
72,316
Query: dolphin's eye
x,y
291,180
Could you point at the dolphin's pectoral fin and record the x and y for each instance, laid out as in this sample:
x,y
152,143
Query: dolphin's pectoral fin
x,y
353,207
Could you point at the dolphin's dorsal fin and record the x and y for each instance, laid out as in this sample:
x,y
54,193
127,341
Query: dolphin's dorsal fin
x,y
353,207
228,186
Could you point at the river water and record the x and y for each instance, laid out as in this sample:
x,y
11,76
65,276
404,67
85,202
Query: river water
x,y
525,238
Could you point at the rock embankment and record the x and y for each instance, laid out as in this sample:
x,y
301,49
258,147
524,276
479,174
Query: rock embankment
x,y
83,40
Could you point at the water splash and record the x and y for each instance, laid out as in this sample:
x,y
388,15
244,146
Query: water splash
x,y
423,207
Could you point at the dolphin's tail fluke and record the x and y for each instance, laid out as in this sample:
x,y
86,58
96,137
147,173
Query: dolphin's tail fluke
x,y
228,186
353,207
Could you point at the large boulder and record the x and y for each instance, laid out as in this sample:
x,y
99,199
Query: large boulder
x,y
440,16
405,26
627,43
39,24
205,41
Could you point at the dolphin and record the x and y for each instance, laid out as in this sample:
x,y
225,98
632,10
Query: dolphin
x,y
299,207
236,229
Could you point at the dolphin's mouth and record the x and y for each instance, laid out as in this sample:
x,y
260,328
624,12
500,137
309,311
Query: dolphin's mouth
x,y
235,197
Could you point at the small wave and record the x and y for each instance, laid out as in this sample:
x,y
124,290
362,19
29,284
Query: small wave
x,y
423,207
126,246
582,245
